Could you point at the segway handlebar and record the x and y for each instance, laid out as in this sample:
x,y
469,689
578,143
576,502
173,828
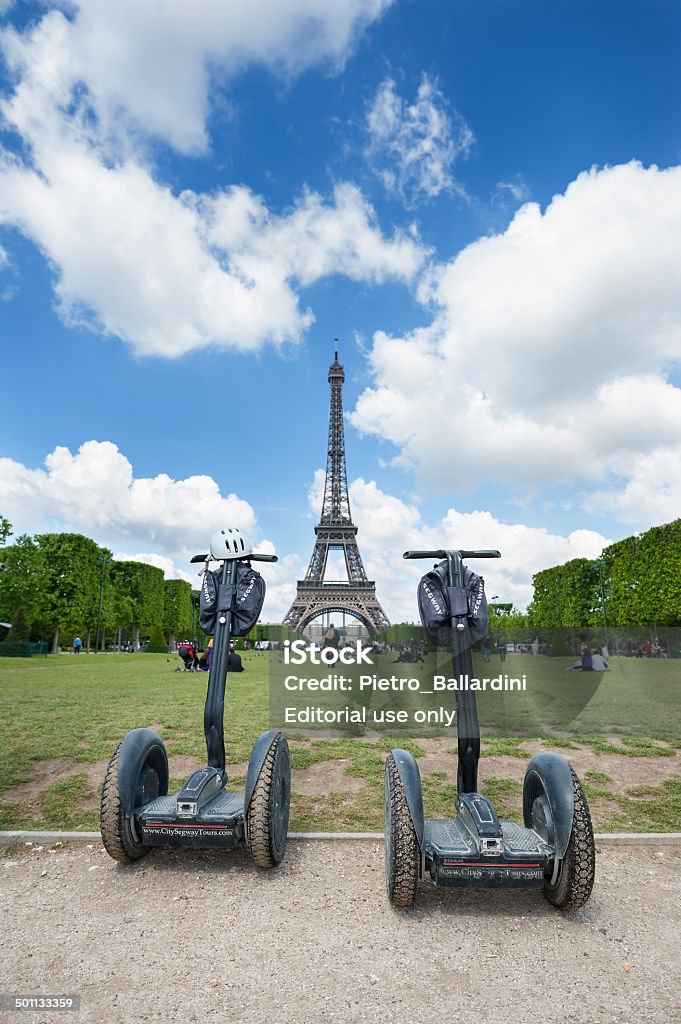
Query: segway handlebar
x,y
246,558
443,554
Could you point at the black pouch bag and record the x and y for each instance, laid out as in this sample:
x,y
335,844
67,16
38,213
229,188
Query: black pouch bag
x,y
244,599
438,602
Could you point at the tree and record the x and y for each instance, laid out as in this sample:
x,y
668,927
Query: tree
x,y
138,596
5,529
157,641
644,578
403,632
21,633
17,645
23,583
634,583
177,609
566,596
71,580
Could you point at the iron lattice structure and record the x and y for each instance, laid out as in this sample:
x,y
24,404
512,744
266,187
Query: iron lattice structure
x,y
336,532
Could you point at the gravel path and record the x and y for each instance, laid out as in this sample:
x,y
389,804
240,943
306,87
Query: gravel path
x,y
197,936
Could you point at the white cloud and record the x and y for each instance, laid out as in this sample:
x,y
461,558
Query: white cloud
x,y
551,347
95,492
314,240
164,522
161,271
151,68
280,578
156,520
649,497
413,146
170,272
170,570
388,526
515,191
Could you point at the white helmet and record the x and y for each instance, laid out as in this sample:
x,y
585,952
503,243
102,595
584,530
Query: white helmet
x,y
229,544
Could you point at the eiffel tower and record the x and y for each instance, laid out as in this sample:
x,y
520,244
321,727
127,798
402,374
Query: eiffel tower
x,y
336,532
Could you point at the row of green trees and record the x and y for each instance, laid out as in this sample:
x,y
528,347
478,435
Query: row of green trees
x,y
61,585
635,582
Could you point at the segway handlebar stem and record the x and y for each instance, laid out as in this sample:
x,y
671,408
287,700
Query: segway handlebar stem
x,y
467,726
442,553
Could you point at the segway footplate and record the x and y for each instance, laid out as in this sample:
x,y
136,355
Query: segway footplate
x,y
219,823
454,857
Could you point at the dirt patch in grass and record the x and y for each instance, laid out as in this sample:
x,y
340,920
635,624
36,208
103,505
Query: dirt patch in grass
x,y
182,765
622,771
46,773
330,775
324,777
345,789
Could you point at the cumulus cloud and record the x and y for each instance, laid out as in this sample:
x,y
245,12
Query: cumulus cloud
x,y
170,272
163,273
156,520
549,356
649,497
413,146
168,567
314,240
163,522
388,526
150,68
95,492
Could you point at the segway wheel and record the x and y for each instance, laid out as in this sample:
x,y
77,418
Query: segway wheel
x,y
402,852
151,780
572,877
267,822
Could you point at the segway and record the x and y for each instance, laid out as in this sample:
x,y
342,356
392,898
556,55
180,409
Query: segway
x,y
136,810
554,851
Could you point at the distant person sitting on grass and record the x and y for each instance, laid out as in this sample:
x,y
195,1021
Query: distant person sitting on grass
x,y
590,661
205,658
233,661
598,662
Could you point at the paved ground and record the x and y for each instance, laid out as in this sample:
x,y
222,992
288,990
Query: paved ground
x,y
192,936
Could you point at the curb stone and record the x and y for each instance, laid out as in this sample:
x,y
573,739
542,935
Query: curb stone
x,y
604,838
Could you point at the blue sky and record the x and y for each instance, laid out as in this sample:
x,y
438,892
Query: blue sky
x,y
481,200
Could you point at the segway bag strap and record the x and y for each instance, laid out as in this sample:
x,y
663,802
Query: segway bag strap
x,y
438,602
457,601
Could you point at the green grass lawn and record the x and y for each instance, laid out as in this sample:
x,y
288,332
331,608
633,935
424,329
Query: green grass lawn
x,y
79,708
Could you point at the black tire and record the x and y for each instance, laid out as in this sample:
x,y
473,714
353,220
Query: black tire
x,y
151,780
571,878
402,852
268,813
